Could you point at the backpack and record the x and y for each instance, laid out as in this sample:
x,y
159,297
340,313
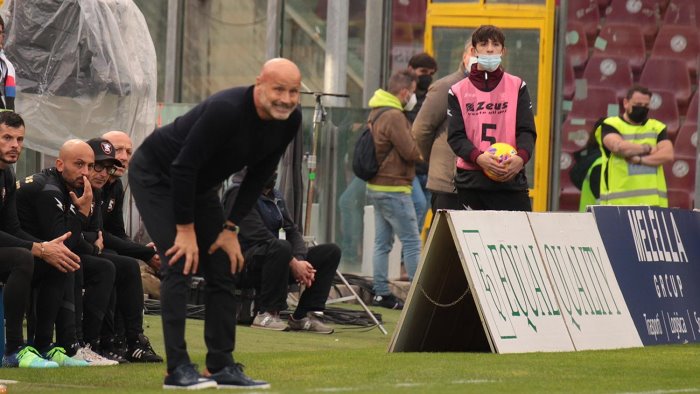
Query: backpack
x,y
364,160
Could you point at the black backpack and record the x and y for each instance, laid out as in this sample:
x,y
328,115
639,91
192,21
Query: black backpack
x,y
364,160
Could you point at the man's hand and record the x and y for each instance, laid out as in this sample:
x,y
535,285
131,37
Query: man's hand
x,y
513,165
99,243
154,262
56,254
185,245
302,271
84,202
489,163
228,242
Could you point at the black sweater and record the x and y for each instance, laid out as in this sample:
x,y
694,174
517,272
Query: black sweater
x,y
218,137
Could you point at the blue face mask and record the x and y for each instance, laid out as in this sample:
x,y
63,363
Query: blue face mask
x,y
489,62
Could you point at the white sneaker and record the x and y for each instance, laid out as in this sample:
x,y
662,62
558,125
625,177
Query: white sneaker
x,y
93,359
269,321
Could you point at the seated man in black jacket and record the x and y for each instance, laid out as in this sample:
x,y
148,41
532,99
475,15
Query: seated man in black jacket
x,y
275,255
127,293
51,203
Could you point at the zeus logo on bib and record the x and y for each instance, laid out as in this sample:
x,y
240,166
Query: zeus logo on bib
x,y
484,106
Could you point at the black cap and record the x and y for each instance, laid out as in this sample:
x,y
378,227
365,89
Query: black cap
x,y
104,151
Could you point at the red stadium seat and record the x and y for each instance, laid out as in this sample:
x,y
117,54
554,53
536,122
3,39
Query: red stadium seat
x,y
691,116
683,12
680,174
569,195
685,145
587,14
679,198
569,80
679,42
594,103
575,133
576,45
668,74
663,107
645,13
610,72
622,40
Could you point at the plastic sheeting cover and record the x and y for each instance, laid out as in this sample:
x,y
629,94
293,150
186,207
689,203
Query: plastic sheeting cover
x,y
83,67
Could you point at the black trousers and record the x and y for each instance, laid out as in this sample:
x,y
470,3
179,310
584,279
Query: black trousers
x,y
154,201
126,297
441,200
16,269
501,200
50,289
81,314
267,269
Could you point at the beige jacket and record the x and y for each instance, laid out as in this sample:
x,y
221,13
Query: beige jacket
x,y
395,148
430,131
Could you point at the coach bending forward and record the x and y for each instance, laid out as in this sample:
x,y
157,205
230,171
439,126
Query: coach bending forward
x,y
174,178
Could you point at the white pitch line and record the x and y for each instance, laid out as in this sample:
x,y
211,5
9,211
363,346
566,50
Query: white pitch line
x,y
688,390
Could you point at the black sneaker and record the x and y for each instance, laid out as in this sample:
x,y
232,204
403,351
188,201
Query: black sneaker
x,y
232,377
387,301
113,355
142,352
186,377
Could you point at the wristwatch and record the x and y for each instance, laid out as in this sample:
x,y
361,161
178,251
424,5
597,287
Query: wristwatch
x,y
231,227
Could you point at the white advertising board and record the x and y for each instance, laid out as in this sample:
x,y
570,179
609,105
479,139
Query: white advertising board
x,y
509,281
584,283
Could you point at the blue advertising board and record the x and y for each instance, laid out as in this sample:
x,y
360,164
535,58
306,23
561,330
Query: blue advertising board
x,y
655,254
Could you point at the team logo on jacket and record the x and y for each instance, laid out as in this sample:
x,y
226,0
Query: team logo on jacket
x,y
110,205
4,193
483,107
106,148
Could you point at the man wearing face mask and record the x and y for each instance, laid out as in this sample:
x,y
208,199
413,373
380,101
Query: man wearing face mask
x,y
634,150
430,130
491,106
390,190
424,67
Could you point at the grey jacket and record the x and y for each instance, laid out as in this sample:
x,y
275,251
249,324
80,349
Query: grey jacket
x,y
430,131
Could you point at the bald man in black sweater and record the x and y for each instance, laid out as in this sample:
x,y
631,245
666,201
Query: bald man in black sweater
x,y
175,175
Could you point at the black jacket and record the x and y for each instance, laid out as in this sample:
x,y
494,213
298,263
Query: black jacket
x,y
11,233
264,222
111,200
46,211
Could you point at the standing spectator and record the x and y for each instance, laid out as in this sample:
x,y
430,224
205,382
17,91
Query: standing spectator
x,y
491,106
634,149
276,256
430,130
174,177
22,254
8,88
390,190
423,66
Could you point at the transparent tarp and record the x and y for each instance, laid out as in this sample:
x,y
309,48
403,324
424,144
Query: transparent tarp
x,y
83,67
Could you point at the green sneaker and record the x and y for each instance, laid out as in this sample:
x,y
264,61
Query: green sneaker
x,y
26,357
59,356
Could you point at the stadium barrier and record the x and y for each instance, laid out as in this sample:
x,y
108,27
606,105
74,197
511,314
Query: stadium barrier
x,y
510,282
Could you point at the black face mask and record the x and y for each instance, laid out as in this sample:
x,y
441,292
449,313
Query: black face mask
x,y
424,82
638,113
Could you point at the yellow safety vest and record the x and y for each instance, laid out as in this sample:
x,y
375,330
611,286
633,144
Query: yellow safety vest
x,y
624,183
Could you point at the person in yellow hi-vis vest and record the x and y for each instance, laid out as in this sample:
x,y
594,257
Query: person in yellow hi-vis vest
x,y
634,149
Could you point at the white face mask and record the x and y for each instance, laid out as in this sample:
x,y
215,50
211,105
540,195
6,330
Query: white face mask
x,y
411,103
489,62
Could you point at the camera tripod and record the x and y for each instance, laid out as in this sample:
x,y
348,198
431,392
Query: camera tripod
x,y
319,118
